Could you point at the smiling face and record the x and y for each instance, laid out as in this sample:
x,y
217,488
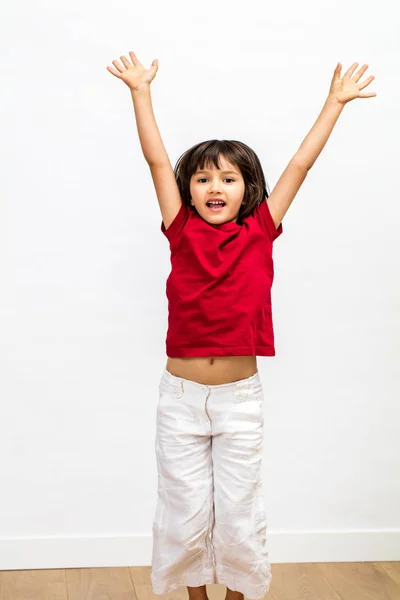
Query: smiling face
x,y
225,184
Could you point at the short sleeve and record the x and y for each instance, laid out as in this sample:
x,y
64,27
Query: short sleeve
x,y
262,213
177,224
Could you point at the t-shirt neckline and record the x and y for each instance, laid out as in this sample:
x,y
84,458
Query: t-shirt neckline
x,y
230,226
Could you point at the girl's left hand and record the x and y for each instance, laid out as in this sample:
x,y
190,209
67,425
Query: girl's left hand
x,y
347,88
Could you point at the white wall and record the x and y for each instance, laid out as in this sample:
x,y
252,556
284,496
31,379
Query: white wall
x,y
83,313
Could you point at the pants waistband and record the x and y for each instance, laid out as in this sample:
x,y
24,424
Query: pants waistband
x,y
253,380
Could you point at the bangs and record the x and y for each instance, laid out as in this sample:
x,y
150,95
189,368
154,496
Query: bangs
x,y
210,156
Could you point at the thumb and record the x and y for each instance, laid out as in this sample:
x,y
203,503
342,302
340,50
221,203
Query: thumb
x,y
154,65
336,73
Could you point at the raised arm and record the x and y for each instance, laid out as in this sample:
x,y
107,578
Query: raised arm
x,y
342,90
138,79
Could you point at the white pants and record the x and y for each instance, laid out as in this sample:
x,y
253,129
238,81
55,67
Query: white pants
x,y
210,524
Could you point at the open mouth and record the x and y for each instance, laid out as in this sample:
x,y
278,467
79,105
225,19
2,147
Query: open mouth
x,y
215,206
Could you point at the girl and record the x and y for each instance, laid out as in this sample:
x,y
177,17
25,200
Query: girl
x,y
221,223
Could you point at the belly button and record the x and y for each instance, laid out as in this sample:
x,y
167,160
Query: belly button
x,y
211,361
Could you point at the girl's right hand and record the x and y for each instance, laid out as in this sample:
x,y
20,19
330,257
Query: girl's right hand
x,y
134,75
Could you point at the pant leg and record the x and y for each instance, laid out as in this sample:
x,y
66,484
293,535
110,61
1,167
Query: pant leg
x,y
182,550
239,532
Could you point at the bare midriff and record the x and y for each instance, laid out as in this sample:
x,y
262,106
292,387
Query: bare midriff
x,y
213,370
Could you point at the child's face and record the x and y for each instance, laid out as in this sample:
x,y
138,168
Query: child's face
x,y
215,183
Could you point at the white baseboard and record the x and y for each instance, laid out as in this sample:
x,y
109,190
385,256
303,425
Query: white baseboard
x,y
57,552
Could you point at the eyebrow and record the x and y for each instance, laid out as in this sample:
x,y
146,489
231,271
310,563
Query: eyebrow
x,y
207,171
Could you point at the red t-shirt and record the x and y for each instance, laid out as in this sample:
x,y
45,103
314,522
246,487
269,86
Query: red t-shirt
x,y
219,287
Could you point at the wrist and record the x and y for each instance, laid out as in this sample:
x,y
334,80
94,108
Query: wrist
x,y
333,101
143,87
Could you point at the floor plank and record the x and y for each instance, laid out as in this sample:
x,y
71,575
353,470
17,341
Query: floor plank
x,y
361,581
300,581
303,581
34,584
106,583
392,569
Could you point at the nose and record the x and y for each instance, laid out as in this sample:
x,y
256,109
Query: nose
x,y
214,188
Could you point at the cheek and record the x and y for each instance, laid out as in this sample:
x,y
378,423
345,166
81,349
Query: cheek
x,y
197,191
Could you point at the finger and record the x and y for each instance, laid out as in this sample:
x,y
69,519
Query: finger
x,y
113,72
364,84
336,73
119,67
351,70
367,95
134,58
125,61
360,73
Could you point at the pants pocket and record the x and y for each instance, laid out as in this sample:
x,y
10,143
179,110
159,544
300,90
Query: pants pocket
x,y
256,396
168,394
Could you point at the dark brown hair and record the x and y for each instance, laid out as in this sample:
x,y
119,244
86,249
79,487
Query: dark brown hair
x,y
239,154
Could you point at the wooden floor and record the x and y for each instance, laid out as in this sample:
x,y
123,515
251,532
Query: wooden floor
x,y
306,581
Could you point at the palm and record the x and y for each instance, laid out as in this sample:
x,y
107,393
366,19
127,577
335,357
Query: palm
x,y
133,74
347,88
136,75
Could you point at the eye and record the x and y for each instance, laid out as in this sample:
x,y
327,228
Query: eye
x,y
203,178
